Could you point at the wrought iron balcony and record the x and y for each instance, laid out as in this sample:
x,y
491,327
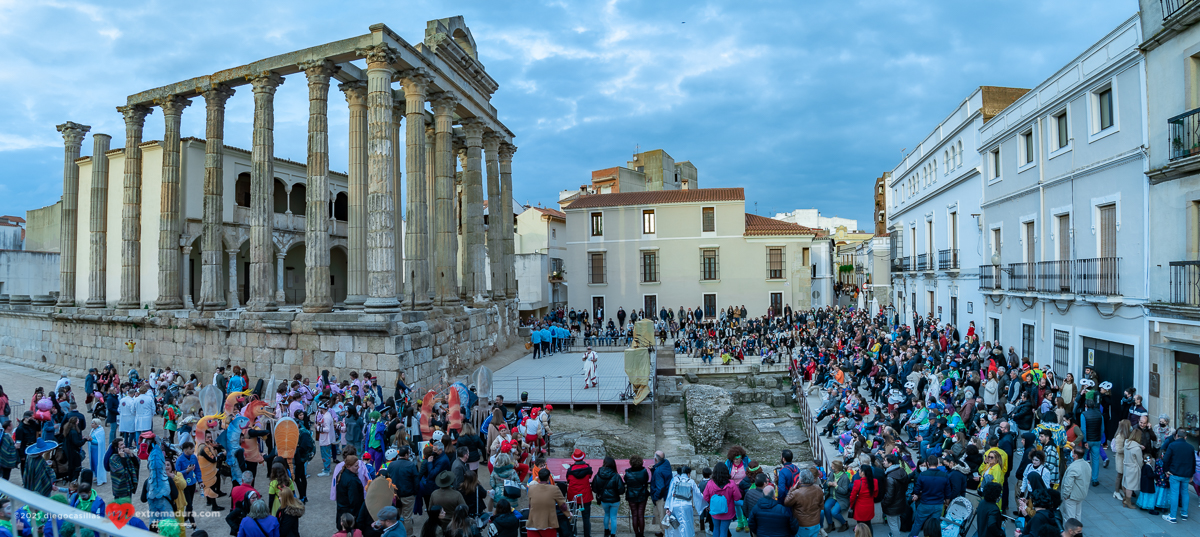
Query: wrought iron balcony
x,y
1021,277
1185,283
1099,276
1184,131
1054,276
1170,7
923,262
989,277
948,259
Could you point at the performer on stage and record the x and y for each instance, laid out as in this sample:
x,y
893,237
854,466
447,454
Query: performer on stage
x,y
589,369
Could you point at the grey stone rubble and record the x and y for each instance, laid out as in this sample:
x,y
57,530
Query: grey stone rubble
x,y
708,410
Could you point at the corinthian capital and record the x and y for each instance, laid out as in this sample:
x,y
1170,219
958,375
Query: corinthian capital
x,y
215,96
318,71
265,82
378,56
135,115
414,80
507,150
173,105
356,92
492,141
73,133
443,103
473,130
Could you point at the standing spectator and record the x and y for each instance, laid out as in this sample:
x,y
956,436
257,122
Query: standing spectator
x,y
259,522
579,488
637,490
683,501
188,465
326,424
112,409
769,518
405,477
660,481
1074,488
1092,423
608,486
349,489
721,494
894,504
545,499
388,521
123,466
1179,459
930,492
805,500
990,519
862,498
127,415
144,411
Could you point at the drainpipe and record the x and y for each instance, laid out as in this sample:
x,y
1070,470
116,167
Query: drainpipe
x,y
1042,213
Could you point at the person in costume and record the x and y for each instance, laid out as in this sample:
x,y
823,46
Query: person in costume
x,y
39,475
122,463
590,379
208,458
96,445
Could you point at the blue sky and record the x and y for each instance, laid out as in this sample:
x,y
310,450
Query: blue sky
x,y
802,103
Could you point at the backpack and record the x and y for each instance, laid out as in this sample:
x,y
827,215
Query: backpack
x,y
305,448
682,493
718,504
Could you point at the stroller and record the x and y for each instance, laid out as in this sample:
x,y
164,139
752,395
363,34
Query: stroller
x,y
958,517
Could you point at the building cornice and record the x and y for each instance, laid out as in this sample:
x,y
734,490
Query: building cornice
x,y
969,174
1082,172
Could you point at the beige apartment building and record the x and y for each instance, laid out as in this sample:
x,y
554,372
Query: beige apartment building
x,y
690,248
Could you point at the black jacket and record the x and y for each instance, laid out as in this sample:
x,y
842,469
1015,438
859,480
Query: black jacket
x,y
349,493
1179,458
771,519
1023,415
607,485
990,519
895,495
405,478
506,525
637,485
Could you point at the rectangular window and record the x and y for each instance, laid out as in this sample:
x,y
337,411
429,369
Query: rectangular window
x,y
994,163
1104,101
996,241
954,310
776,303
1030,256
995,335
1027,342
1108,230
598,307
774,263
1064,237
650,305
596,268
648,222
709,266
1060,122
1027,148
597,224
804,257
710,305
649,266
708,219
1062,352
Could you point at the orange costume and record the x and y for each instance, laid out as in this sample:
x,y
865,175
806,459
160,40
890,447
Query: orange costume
x,y
208,469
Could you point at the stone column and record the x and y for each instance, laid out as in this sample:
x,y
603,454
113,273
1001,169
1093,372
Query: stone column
x,y
445,272
280,295
506,223
317,296
262,191
495,241
170,219
381,225
398,110
416,247
356,226
187,276
72,134
212,292
431,202
233,279
475,278
460,163
131,210
98,225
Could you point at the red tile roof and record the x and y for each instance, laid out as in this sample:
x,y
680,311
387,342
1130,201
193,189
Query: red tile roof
x,y
658,197
13,218
551,212
761,226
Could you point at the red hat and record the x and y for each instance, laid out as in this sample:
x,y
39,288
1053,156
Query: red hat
x,y
506,447
578,455
549,407
502,427
366,456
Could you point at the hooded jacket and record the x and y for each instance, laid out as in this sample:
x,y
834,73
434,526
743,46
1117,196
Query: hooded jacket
x,y
770,519
607,485
637,485
895,496
579,480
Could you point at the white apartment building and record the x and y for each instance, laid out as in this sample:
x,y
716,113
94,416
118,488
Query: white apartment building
x,y
691,248
541,250
933,215
1171,45
1064,210
813,218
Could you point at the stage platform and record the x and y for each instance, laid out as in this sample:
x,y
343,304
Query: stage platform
x,y
558,380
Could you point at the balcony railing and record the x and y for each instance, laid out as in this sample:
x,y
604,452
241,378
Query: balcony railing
x,y
989,277
923,262
1185,134
1021,277
948,259
1185,283
1170,7
1054,276
1099,276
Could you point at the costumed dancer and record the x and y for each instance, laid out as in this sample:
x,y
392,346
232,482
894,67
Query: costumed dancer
x,y
589,369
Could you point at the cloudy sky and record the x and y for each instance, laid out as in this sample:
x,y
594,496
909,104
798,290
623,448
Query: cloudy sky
x,y
803,103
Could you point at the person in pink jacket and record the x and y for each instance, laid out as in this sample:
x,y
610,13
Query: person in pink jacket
x,y
726,492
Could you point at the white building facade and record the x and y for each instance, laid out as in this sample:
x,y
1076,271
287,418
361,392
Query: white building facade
x,y
1064,210
541,250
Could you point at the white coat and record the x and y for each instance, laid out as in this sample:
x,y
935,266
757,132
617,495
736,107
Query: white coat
x,y
684,510
125,414
144,413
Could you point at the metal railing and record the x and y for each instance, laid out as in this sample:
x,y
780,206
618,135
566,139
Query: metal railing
x,y
1054,276
1185,283
571,389
948,259
100,526
1021,277
923,262
1185,134
1170,7
1098,276
900,264
989,277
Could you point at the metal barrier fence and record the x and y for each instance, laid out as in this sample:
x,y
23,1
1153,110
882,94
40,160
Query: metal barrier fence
x,y
101,526
568,389
809,420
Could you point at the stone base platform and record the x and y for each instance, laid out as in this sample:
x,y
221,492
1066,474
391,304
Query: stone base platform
x,y
431,347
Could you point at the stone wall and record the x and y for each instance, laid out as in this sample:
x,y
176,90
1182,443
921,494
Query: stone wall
x,y
431,347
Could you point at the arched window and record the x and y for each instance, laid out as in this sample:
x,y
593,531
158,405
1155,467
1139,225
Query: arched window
x,y
281,197
341,205
298,200
241,190
958,159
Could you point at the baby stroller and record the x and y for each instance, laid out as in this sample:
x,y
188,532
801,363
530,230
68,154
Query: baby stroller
x,y
957,521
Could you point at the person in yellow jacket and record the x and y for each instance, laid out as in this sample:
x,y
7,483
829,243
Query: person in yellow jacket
x,y
995,465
